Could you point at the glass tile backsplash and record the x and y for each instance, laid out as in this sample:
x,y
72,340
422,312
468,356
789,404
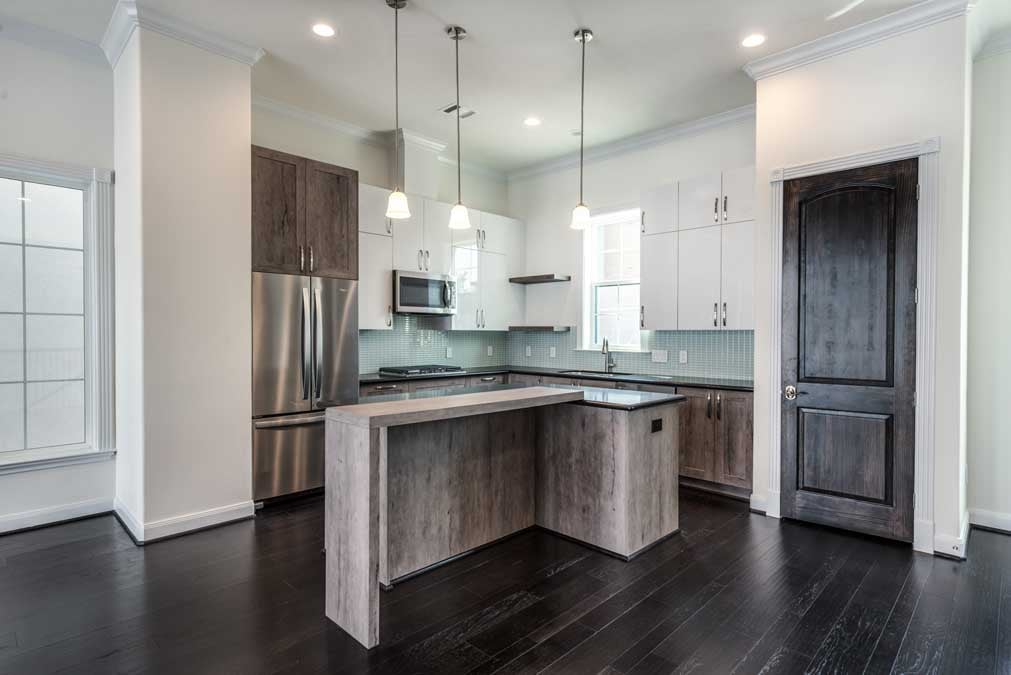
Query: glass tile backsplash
x,y
723,354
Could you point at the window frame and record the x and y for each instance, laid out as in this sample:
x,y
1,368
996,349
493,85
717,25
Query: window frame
x,y
97,189
591,252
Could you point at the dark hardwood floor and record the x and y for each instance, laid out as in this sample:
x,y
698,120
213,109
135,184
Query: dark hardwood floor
x,y
735,592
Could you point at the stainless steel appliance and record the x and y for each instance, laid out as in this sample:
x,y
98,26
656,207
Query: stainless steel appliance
x,y
305,358
423,293
421,371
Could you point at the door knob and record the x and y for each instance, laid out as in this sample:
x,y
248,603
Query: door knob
x,y
790,393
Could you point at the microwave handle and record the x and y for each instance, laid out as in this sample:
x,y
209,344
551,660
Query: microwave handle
x,y
447,294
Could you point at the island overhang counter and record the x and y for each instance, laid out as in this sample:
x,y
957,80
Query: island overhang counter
x,y
415,480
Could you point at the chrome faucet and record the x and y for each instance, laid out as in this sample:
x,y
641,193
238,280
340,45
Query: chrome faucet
x,y
608,357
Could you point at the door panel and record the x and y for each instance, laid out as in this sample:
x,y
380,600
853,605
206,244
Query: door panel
x,y
331,220
697,434
737,271
494,232
335,336
467,269
288,455
698,288
375,283
658,281
659,209
278,211
408,240
438,239
372,210
849,322
739,195
735,417
699,201
282,344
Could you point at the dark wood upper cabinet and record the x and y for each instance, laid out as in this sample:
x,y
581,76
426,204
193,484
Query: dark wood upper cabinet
x,y
304,216
716,436
332,220
278,211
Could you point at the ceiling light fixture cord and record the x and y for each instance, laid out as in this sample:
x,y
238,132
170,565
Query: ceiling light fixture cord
x,y
396,93
459,166
582,108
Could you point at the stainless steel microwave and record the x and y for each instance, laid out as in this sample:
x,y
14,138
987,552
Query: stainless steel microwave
x,y
423,293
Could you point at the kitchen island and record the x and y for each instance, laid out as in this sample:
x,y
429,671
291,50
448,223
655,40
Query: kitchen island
x,y
414,480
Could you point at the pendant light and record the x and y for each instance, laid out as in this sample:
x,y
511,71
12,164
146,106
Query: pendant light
x,y
581,214
396,206
459,219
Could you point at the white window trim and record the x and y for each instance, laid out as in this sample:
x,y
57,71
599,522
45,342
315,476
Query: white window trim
x,y
99,336
585,340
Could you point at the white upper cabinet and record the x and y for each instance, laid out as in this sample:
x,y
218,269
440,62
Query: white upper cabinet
x,y
658,262
408,240
375,281
471,237
515,249
738,195
372,210
467,270
495,232
698,285
737,311
438,238
659,209
699,201
501,301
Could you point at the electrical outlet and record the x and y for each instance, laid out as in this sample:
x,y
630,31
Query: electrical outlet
x,y
530,351
659,356
491,351
449,352
683,356
552,352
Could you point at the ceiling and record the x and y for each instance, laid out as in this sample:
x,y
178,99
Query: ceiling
x,y
652,63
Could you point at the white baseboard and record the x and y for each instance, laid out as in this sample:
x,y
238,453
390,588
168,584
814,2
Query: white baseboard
x,y
129,521
758,502
54,514
953,546
991,519
772,504
923,536
170,527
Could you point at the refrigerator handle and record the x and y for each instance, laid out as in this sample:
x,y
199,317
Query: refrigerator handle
x,y
317,294
306,344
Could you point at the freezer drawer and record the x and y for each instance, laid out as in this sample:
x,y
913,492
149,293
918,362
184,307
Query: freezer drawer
x,y
288,455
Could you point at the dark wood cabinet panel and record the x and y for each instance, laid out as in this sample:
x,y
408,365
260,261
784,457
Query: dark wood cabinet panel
x,y
278,211
697,434
735,421
331,219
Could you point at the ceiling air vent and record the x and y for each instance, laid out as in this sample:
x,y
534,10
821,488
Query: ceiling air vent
x,y
465,112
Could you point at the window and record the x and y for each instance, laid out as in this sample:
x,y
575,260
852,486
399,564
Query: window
x,y
43,363
611,271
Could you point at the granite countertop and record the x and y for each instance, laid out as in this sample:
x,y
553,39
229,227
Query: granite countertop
x,y
621,399
672,380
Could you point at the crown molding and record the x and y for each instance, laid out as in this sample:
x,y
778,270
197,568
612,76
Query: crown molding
x,y
474,169
127,17
421,141
50,40
59,172
376,138
998,44
897,23
639,142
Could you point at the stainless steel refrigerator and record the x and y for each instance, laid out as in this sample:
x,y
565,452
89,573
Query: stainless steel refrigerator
x,y
305,358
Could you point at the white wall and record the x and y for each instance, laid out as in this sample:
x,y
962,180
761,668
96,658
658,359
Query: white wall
x,y
545,203
298,134
989,397
192,316
59,109
54,107
903,90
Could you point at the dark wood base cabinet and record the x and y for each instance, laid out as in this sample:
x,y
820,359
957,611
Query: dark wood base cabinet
x,y
716,429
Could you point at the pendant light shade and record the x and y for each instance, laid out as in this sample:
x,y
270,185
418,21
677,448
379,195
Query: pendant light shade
x,y
581,214
396,205
459,219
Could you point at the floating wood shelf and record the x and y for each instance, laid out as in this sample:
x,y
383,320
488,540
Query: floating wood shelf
x,y
540,279
540,329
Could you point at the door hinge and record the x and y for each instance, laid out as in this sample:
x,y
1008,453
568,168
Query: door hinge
x,y
917,192
916,295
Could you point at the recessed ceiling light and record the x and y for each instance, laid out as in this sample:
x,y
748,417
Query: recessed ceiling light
x,y
753,40
323,30
532,121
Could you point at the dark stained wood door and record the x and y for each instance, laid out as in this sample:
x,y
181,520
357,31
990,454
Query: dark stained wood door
x,y
849,339
735,423
697,434
278,213
332,220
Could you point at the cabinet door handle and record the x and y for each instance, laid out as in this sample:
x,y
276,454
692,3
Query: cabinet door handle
x,y
488,379
642,316
719,407
389,315
385,387
312,260
427,258
301,258
483,324
724,315
716,311
477,318
725,200
389,226
642,222
716,210
420,265
709,405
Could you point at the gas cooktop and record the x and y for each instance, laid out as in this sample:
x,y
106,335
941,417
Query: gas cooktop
x,y
408,371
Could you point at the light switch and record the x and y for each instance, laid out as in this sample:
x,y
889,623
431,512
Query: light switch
x,y
530,351
552,353
659,356
449,352
491,350
683,356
